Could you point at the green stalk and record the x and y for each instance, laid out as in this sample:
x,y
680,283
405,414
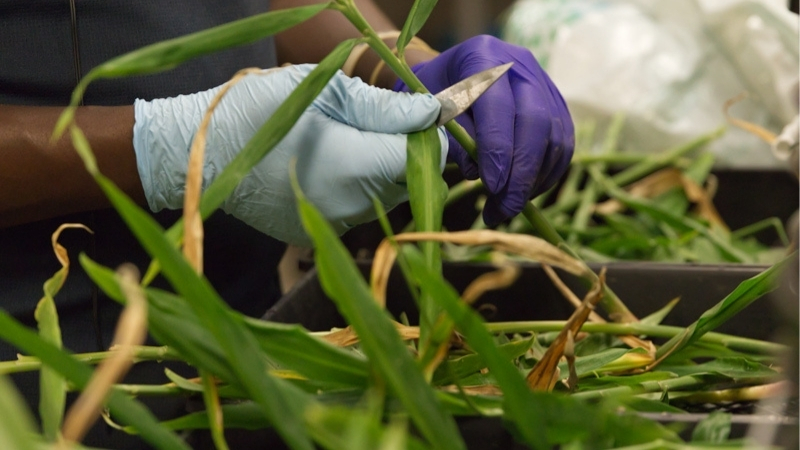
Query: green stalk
x,y
349,10
672,384
149,390
649,165
771,222
654,331
610,301
142,353
593,189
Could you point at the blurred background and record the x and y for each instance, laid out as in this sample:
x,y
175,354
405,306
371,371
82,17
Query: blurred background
x,y
669,67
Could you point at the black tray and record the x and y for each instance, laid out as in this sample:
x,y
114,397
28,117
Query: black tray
x,y
643,287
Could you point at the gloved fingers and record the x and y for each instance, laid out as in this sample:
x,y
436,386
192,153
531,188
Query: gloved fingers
x,y
368,108
494,130
532,131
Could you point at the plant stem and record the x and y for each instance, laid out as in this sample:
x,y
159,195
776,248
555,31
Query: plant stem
x,y
648,166
141,353
742,394
400,68
610,301
654,331
672,384
149,390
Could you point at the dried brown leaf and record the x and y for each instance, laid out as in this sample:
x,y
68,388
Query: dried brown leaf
x,y
192,221
629,340
482,389
131,331
545,373
505,275
526,246
756,130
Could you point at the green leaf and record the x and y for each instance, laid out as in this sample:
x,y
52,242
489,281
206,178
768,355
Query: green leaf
x,y
293,348
715,428
656,317
468,364
17,430
737,369
606,381
417,17
599,362
746,293
343,282
52,387
168,54
678,221
174,324
239,345
520,407
124,409
427,192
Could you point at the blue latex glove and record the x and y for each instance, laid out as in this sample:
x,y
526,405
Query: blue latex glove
x,y
348,145
523,130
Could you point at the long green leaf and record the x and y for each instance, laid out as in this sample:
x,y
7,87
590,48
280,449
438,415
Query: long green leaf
x,y
173,323
521,408
238,344
343,283
171,53
746,293
124,409
427,192
465,365
52,387
17,429
417,17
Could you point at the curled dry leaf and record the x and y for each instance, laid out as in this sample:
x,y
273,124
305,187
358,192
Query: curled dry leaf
x,y
545,373
629,340
192,221
506,273
526,246
347,336
756,130
131,331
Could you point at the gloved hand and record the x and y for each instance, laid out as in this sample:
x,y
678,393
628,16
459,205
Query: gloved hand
x,y
348,145
523,130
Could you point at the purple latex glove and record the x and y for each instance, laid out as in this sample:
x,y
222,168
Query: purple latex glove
x,y
523,130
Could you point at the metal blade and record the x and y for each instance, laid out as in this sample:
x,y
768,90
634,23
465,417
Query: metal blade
x,y
458,97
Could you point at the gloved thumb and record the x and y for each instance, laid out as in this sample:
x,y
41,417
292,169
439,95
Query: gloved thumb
x,y
368,108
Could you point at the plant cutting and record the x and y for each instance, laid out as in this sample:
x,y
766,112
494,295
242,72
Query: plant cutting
x,y
386,391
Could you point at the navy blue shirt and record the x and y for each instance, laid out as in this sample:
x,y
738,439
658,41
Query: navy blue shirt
x,y
44,50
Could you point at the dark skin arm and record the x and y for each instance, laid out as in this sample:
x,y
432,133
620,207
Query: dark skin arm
x,y
40,180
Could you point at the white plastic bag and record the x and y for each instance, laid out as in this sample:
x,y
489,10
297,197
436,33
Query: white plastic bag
x,y
670,66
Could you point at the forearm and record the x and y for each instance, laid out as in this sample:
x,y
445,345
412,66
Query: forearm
x,y
310,41
42,180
